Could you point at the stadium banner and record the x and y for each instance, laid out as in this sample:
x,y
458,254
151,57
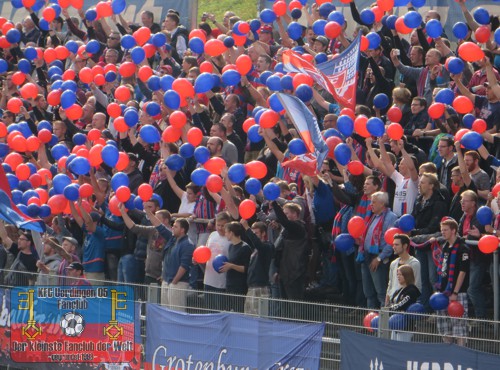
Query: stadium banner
x,y
359,351
177,340
82,327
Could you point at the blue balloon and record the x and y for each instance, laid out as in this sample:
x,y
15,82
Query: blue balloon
x,y
406,223
468,120
110,155
17,195
381,101
154,83
439,301
91,15
53,141
56,7
375,126
456,66
418,3
472,140
203,83
274,83
186,150
128,42
119,179
267,16
320,58
253,186
24,66
374,40
150,134
253,134
220,260
199,176
110,76
44,25
374,322
28,194
72,46
118,6
255,25
13,36
69,85
391,22
295,30
367,16
17,4
297,147
319,27
153,108
71,192
39,4
175,162
79,138
172,99
138,204
24,129
58,151
93,47
481,16
4,66
80,166
332,132
45,211
434,28
158,198
304,92
129,204
445,96
344,242
416,308
54,70
271,191
237,173
412,19
196,45
484,215
60,181
137,54
229,42
264,76
159,39
325,9
13,180
296,13
342,153
287,82
4,149
68,98
397,322
131,117
336,16
201,154
231,77
497,36
345,125
275,103
22,207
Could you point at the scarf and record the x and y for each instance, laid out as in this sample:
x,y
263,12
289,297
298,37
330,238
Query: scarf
x,y
337,221
451,269
422,81
377,231
364,208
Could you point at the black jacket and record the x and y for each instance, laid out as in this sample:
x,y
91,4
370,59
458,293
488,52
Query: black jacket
x,y
428,214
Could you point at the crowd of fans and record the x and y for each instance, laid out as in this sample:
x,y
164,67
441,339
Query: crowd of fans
x,y
289,247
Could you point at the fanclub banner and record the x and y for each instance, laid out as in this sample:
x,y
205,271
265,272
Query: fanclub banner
x,y
81,327
359,351
228,341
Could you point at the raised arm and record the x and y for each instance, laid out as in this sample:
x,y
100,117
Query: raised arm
x,y
177,190
126,218
6,240
464,172
409,161
463,89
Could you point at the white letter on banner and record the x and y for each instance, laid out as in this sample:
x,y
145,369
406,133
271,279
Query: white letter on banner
x,y
424,366
177,364
448,366
219,365
154,357
436,366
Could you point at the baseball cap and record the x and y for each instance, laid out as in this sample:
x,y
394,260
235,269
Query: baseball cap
x,y
133,157
71,240
321,39
75,266
266,28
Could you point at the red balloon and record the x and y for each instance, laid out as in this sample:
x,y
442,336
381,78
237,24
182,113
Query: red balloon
x,y
113,206
142,35
356,226
18,143
42,193
395,131
127,69
144,73
177,119
332,142
123,161
463,105
256,169
74,112
194,136
479,126
32,143
171,134
94,134
385,5
145,192
249,122
401,26
455,309
23,172
114,110
95,158
49,55
360,126
3,130
149,50
333,30
279,8
389,234
54,97
57,204
379,13
86,190
46,174
29,91
244,63
77,4
206,67
215,165
214,183
436,110
198,33
49,14
394,114
86,75
269,119
496,190
18,78
365,44
123,94
355,167
62,52
482,34
123,193
348,112
28,3
103,9
488,244
367,321
460,133
120,125
302,78
13,160
97,70
202,254
69,74
64,3
470,52
183,87
295,4
214,47
247,209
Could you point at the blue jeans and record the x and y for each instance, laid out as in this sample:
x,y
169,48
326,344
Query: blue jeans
x,y
478,269
428,275
127,269
375,282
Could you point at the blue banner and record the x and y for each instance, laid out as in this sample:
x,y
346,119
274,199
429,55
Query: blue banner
x,y
216,341
358,351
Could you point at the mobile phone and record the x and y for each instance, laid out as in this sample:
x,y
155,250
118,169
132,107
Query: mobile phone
x,y
397,52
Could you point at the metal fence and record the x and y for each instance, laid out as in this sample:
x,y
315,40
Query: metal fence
x,y
481,335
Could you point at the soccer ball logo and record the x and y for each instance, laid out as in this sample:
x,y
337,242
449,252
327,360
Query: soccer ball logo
x,y
72,324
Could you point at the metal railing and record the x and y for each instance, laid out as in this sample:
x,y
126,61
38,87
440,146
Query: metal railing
x,y
481,335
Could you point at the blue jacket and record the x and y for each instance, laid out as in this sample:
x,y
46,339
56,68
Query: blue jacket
x,y
176,253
